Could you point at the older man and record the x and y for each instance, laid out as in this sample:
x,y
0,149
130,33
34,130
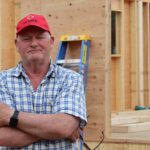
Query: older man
x,y
42,105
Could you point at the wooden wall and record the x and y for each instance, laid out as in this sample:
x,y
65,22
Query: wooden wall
x,y
130,65
70,17
121,146
7,25
93,18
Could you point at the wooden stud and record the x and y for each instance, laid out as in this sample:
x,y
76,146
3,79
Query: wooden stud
x,y
136,127
148,49
7,34
145,49
134,55
17,18
140,54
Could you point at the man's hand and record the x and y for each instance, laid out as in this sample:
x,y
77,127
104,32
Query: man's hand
x,y
75,135
5,113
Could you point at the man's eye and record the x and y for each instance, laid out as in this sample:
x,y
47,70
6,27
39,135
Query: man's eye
x,y
26,38
40,37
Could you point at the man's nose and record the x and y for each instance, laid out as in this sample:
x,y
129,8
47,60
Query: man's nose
x,y
34,42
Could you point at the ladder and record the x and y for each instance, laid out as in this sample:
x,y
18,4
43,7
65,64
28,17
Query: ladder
x,y
80,65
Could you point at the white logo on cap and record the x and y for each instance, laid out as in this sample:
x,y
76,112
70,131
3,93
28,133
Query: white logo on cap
x,y
30,17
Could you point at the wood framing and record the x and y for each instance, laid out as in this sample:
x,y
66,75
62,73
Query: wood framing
x,y
72,17
130,71
7,34
117,82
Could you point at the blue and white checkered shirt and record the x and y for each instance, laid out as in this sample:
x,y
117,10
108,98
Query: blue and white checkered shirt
x,y
61,90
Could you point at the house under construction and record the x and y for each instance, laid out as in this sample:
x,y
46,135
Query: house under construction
x,y
119,62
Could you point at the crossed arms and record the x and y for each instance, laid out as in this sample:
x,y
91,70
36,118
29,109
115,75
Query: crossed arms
x,y
34,127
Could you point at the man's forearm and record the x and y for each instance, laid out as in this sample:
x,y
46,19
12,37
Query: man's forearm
x,y
44,126
15,138
48,126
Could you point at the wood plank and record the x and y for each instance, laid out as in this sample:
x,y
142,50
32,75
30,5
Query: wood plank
x,y
72,17
107,68
117,71
127,54
129,113
7,34
135,127
129,119
125,120
116,5
140,54
120,100
148,55
117,145
17,18
30,6
145,50
134,55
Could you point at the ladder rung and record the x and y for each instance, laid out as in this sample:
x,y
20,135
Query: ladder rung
x,y
68,61
74,37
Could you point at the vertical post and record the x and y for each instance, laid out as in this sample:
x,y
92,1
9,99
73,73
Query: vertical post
x,y
7,28
107,102
148,49
140,54
0,34
134,55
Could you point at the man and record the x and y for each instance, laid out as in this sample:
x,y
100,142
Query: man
x,y
42,105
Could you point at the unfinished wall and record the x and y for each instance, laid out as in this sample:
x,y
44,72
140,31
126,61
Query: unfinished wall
x,y
69,17
129,64
7,26
122,146
93,18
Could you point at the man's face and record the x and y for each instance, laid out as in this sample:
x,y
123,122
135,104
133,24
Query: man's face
x,y
34,45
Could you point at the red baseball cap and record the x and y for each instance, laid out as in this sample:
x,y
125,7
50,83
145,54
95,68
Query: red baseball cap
x,y
33,20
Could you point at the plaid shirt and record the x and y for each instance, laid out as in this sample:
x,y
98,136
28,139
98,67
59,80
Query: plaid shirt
x,y
61,91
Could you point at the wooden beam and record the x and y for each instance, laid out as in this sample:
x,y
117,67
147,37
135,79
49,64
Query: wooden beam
x,y
140,54
132,113
146,52
17,18
117,70
135,127
119,120
134,55
7,33
116,5
148,34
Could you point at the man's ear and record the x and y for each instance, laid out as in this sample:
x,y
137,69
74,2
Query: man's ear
x,y
16,44
52,42
15,41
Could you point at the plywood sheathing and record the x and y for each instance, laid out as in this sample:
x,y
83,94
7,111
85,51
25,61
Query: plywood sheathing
x,y
7,26
83,17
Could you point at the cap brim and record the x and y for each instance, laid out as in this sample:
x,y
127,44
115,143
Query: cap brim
x,y
32,25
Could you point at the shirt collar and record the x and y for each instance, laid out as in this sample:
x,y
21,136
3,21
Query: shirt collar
x,y
52,71
19,70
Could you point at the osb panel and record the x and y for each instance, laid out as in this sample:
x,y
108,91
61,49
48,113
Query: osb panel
x,y
30,6
7,34
81,17
113,146
17,6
